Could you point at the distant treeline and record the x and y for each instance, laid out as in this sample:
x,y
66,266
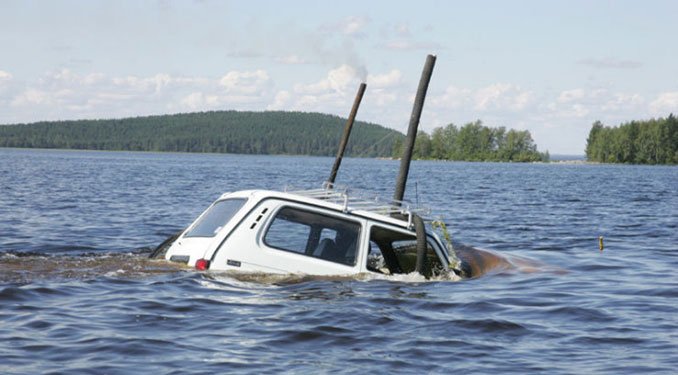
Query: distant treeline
x,y
274,132
638,142
293,133
475,142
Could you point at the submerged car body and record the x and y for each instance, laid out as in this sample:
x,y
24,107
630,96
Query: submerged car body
x,y
315,232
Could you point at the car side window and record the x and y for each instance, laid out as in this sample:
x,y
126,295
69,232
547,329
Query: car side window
x,y
314,234
288,235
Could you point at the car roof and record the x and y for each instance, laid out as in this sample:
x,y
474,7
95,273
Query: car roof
x,y
359,209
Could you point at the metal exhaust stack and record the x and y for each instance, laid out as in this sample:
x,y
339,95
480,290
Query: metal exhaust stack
x,y
347,133
412,130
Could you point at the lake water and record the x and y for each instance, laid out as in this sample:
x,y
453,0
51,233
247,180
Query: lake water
x,y
78,296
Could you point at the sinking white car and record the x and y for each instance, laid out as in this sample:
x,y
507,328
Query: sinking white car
x,y
315,232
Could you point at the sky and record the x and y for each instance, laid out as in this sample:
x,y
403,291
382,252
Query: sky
x,y
550,67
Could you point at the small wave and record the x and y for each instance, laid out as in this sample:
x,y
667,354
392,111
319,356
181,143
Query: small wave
x,y
20,267
582,314
13,294
643,198
596,340
490,325
26,294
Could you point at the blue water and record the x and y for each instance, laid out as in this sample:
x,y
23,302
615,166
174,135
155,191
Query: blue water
x,y
78,296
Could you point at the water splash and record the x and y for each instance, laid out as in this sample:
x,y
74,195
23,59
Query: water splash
x,y
18,267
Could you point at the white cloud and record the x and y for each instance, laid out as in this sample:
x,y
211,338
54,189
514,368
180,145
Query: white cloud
x,y
31,97
339,81
127,81
569,96
245,83
341,78
151,85
291,60
453,97
114,96
390,79
198,100
354,26
575,110
241,101
665,103
335,93
383,98
623,102
94,78
522,100
572,103
280,101
309,102
384,89
501,102
580,103
5,89
399,37
161,81
67,94
501,96
4,76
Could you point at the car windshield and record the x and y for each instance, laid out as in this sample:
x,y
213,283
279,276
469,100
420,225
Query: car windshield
x,y
215,218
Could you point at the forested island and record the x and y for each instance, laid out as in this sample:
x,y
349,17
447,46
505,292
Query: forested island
x,y
475,142
271,132
652,141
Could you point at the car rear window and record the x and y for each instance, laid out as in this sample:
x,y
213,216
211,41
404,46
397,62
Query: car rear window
x,y
215,218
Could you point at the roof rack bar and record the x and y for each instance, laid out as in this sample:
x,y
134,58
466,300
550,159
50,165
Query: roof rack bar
x,y
361,202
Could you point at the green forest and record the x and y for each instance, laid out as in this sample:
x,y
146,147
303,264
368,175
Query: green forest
x,y
475,142
653,141
273,132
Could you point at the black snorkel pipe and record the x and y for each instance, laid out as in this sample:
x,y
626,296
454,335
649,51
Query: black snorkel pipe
x,y
347,133
401,181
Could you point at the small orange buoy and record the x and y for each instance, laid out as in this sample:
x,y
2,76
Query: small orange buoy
x,y
600,243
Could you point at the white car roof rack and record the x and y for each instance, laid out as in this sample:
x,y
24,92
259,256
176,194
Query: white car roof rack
x,y
352,200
